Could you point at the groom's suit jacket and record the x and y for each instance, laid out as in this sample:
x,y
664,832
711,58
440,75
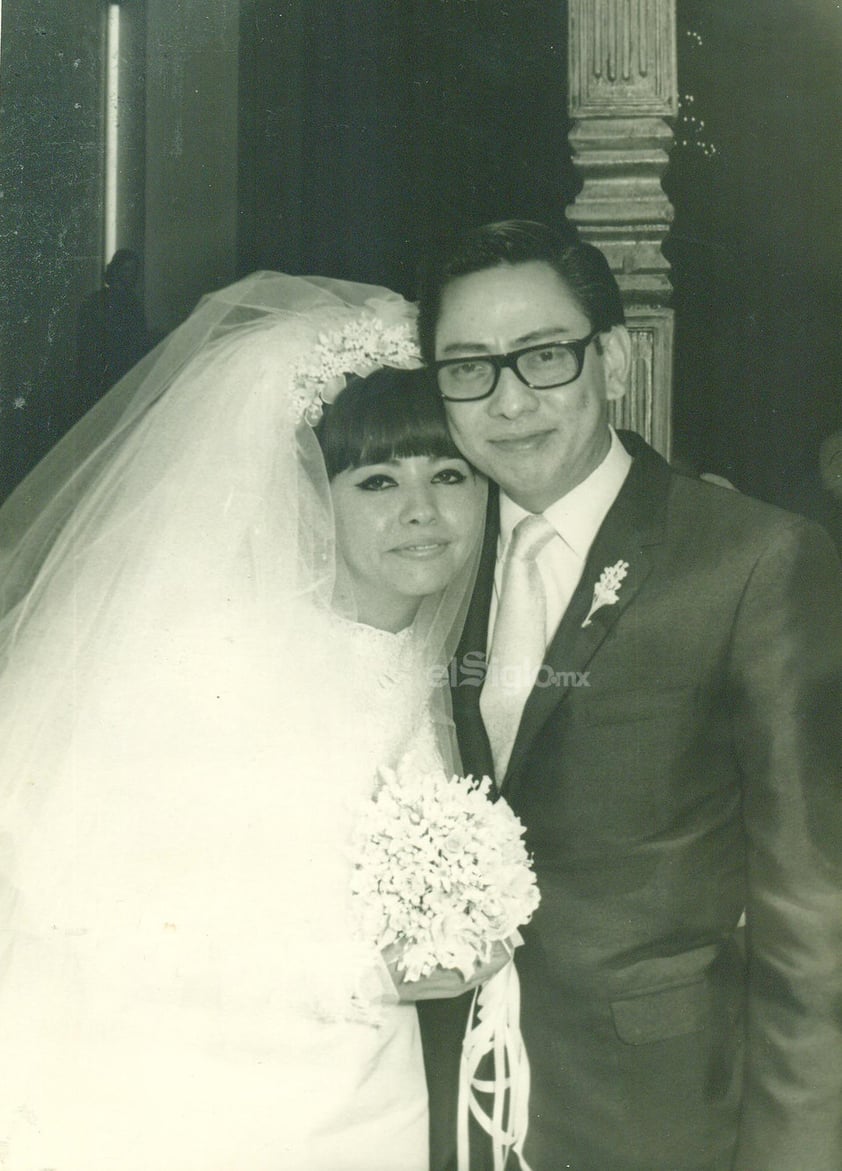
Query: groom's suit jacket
x,y
684,765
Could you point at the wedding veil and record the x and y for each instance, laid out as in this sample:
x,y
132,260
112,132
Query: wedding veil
x,y
190,508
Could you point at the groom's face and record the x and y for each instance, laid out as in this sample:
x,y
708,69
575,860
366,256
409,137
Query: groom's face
x,y
537,444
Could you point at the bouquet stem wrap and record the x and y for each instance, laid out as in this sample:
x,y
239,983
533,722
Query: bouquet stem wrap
x,y
493,1032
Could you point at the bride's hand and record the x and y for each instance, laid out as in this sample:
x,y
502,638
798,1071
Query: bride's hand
x,y
445,982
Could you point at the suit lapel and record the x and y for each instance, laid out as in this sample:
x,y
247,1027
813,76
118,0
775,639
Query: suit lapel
x,y
475,633
634,524
466,678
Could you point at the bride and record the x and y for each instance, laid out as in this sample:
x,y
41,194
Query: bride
x,y
227,595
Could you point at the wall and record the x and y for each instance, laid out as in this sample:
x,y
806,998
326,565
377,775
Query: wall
x,y
177,186
191,154
131,160
51,77
273,69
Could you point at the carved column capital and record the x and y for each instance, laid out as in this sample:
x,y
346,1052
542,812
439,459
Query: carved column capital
x,y
622,58
623,96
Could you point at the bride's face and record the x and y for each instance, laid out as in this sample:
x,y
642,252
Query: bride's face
x,y
404,529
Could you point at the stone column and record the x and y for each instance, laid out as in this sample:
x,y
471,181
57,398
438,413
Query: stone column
x,y
623,96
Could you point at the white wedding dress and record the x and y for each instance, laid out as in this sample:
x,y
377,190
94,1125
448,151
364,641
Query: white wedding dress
x,y
187,731
184,993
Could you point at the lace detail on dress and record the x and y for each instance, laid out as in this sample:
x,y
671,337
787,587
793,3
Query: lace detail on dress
x,y
385,670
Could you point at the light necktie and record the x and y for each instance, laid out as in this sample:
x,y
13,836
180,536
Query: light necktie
x,y
519,639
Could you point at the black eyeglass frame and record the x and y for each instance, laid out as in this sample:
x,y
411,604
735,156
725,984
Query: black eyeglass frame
x,y
500,362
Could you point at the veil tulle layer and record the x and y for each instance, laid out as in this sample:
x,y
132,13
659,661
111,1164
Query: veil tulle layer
x,y
190,506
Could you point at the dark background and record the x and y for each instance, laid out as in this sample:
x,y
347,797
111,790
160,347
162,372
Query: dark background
x,y
368,128
756,246
414,118
411,127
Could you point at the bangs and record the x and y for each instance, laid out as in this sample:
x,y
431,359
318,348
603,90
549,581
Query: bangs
x,y
392,414
394,437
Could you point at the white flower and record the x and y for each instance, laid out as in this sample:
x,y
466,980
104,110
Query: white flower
x,y
440,869
606,591
363,345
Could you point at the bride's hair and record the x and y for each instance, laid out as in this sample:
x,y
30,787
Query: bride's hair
x,y
390,414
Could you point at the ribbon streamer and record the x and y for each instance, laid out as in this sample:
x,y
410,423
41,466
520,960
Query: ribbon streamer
x,y
494,1031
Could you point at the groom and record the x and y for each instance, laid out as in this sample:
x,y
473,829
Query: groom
x,y
663,710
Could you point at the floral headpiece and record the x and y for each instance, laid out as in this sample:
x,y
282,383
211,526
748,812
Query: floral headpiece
x,y
360,347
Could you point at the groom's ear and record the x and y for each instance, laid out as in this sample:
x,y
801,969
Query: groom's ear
x,y
616,361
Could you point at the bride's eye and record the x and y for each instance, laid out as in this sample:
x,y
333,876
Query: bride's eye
x,y
449,476
376,483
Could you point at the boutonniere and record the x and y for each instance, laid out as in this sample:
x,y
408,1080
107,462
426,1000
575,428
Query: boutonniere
x,y
607,589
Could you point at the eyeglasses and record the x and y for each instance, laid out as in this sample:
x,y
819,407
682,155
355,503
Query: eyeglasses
x,y
539,367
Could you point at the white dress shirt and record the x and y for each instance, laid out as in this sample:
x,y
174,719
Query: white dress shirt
x,y
576,519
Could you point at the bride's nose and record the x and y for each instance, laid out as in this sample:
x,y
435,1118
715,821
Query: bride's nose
x,y
419,506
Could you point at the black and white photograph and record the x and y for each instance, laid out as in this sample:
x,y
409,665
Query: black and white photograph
x,y
420,585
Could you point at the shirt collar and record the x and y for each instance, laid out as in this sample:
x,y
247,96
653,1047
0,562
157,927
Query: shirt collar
x,y
577,516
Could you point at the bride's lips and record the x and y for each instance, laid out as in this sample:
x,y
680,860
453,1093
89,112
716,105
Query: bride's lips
x,y
520,443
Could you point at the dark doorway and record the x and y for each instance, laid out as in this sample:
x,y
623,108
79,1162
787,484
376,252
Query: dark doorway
x,y
369,129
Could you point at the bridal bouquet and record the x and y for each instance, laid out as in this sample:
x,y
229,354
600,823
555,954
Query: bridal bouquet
x,y
441,869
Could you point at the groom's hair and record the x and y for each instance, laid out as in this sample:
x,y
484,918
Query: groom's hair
x,y
390,414
582,267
